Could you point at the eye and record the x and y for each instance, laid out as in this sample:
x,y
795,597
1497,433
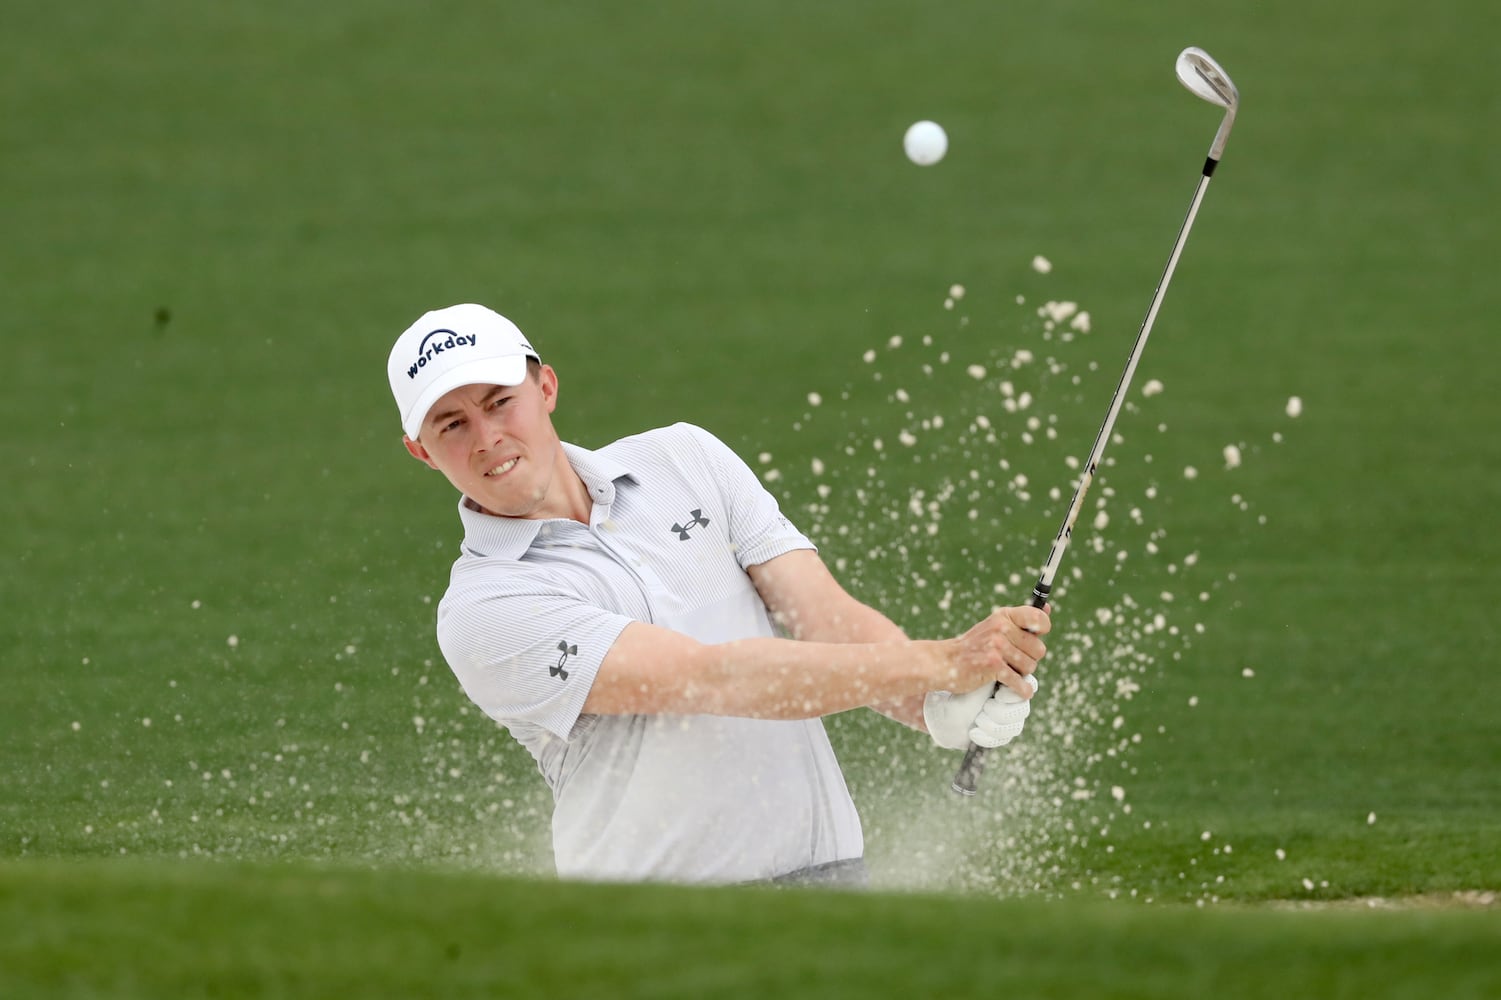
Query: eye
x,y
451,425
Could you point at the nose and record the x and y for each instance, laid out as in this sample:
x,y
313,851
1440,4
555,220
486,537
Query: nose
x,y
488,430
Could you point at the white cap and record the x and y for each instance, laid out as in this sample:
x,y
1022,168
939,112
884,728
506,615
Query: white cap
x,y
460,345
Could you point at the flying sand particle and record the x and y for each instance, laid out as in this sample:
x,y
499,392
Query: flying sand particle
x,y
1058,311
1041,265
1294,406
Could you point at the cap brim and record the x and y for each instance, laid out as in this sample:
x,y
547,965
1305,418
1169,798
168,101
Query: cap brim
x,y
487,371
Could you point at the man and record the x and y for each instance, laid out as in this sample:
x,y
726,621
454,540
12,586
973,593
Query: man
x,y
647,624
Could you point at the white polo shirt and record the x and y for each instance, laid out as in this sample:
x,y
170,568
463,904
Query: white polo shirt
x,y
531,610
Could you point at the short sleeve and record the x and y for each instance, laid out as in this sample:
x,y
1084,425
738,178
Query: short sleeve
x,y
524,651
758,528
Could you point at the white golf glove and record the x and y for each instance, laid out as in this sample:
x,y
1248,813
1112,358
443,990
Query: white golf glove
x,y
980,717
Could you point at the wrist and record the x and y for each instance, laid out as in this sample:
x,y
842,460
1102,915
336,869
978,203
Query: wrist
x,y
949,717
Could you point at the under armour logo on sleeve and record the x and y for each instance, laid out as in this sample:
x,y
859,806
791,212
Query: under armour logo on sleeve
x,y
565,651
696,519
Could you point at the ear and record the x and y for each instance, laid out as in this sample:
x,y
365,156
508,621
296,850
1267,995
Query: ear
x,y
415,449
547,381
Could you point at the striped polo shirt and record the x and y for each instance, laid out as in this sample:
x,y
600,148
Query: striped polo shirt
x,y
533,607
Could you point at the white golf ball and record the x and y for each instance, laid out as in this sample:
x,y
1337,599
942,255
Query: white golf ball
x,y
925,143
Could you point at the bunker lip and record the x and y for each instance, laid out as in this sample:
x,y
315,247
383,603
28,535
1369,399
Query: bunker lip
x,y
1460,899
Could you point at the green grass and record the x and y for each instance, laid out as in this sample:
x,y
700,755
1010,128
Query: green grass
x,y
218,219
87,930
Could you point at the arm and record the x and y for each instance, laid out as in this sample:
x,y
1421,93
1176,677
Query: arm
x,y
653,670
809,604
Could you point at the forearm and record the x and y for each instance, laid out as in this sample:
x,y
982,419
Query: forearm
x,y
859,623
783,679
650,671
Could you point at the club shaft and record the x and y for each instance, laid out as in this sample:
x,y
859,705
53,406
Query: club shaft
x,y
967,778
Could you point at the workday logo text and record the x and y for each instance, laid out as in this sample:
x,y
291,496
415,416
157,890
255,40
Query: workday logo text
x,y
436,343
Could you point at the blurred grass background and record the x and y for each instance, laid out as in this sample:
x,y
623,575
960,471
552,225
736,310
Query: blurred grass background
x,y
218,219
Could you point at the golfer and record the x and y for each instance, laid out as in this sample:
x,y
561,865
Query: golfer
x,y
664,642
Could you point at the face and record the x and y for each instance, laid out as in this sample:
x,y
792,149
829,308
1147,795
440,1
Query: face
x,y
496,445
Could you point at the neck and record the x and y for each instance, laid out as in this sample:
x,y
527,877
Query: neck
x,y
573,494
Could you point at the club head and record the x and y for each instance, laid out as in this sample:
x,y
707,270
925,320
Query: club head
x,y
1201,74
1198,71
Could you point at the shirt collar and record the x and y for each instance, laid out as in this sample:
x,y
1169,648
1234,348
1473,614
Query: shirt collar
x,y
509,537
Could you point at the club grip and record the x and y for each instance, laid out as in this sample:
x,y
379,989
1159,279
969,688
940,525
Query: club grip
x,y
967,778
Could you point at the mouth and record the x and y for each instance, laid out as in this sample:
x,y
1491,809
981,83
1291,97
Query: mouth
x,y
502,468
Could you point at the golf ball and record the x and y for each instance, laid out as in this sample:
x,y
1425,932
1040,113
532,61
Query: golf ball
x,y
925,143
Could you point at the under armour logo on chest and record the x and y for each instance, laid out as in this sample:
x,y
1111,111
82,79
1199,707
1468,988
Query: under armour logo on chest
x,y
564,652
696,519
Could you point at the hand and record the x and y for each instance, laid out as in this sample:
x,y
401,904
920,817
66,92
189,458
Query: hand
x,y
987,716
1003,647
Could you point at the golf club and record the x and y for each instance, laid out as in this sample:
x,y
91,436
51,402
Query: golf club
x,y
1198,71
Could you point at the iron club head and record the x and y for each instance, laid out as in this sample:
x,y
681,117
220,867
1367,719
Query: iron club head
x,y
1206,78
1198,71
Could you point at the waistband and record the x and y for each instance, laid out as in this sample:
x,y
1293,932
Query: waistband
x,y
849,873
